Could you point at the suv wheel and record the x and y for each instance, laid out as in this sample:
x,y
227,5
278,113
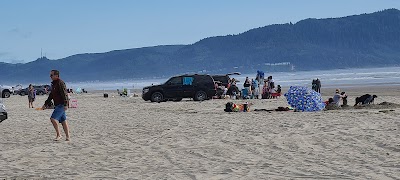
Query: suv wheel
x,y
157,97
200,96
22,93
41,93
6,94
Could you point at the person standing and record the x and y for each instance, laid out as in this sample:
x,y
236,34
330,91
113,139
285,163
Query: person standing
x,y
256,90
31,95
314,85
247,86
271,85
60,97
318,85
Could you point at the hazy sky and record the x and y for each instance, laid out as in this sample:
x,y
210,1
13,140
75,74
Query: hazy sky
x,y
67,27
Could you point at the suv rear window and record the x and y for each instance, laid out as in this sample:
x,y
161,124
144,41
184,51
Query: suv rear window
x,y
187,80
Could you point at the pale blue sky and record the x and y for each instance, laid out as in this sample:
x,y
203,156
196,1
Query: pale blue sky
x,y
67,27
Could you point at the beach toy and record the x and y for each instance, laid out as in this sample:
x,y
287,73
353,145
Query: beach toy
x,y
304,99
39,109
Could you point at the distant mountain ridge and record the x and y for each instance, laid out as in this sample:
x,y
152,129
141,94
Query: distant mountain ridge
x,y
367,40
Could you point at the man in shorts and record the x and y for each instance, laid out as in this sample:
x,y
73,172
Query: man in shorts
x,y
60,97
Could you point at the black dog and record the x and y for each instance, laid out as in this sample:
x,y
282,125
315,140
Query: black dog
x,y
365,99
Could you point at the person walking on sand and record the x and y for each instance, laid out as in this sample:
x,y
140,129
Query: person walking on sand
x,y
60,97
31,95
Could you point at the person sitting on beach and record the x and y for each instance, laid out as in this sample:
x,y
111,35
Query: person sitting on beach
x,y
220,90
276,93
279,89
330,104
337,97
233,91
329,101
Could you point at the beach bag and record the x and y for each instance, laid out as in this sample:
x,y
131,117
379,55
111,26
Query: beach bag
x,y
228,107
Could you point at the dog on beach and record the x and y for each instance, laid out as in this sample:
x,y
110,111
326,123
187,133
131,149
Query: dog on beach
x,y
365,99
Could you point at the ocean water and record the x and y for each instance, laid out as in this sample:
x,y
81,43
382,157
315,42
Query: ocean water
x,y
329,78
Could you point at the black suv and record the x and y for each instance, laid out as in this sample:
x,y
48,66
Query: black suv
x,y
198,87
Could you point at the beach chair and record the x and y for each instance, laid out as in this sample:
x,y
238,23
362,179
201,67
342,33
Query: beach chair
x,y
275,95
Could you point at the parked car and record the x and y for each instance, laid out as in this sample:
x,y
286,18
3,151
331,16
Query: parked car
x,y
40,90
198,87
3,112
16,89
6,91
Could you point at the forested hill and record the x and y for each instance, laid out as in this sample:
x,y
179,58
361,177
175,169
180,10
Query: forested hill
x,y
367,40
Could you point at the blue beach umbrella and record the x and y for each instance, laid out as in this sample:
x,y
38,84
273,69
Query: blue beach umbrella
x,y
304,99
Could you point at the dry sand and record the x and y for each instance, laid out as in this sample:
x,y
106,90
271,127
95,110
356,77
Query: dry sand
x,y
127,138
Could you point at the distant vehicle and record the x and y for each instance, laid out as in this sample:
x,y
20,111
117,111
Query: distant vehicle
x,y
3,112
17,88
198,87
6,91
40,90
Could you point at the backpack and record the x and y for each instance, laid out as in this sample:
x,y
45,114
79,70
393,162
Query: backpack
x,y
228,107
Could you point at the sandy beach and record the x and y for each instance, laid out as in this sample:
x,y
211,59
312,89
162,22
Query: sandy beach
x,y
128,138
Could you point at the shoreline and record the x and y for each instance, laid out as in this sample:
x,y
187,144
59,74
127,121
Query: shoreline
x,y
370,89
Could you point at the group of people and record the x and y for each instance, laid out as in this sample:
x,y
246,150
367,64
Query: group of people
x,y
269,90
337,97
251,89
